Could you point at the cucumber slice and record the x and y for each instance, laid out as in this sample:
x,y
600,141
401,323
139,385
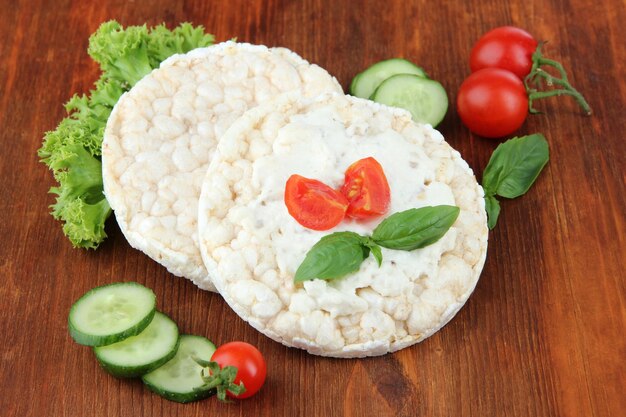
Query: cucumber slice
x,y
111,313
426,99
140,354
365,83
180,378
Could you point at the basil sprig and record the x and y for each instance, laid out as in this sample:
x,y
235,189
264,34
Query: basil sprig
x,y
513,168
341,253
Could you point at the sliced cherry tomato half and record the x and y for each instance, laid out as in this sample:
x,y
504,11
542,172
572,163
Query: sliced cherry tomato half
x,y
314,204
506,47
251,367
367,189
492,102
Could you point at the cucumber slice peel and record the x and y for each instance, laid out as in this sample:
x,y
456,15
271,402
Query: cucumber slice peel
x,y
354,84
365,83
426,99
180,379
138,355
111,313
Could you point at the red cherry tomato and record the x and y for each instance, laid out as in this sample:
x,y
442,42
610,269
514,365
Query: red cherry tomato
x,y
506,47
314,204
366,188
492,102
251,367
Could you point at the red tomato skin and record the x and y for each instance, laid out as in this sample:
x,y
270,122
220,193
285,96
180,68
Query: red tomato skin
x,y
251,367
492,102
314,204
506,47
366,188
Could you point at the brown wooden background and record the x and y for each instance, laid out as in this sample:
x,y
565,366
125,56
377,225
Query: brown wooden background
x,y
544,332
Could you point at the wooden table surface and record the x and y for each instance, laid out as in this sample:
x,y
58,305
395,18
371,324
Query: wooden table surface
x,y
542,335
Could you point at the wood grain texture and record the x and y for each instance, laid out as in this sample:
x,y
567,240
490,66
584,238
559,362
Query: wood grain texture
x,y
543,334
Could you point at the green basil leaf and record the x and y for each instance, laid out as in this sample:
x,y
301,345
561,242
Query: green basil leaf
x,y
492,206
376,251
415,228
515,165
334,256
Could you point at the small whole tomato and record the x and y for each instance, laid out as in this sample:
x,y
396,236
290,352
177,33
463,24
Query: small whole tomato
x,y
492,102
366,188
251,367
506,47
314,204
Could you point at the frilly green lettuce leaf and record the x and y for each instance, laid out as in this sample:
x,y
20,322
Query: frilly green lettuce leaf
x,y
164,43
80,201
121,53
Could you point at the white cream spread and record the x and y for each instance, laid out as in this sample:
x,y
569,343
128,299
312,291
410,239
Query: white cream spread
x,y
316,145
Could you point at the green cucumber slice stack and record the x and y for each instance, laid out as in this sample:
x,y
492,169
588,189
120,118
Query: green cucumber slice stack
x,y
365,83
130,338
400,83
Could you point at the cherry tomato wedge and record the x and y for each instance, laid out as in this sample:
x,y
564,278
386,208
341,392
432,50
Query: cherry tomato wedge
x,y
367,189
492,102
506,47
314,204
251,367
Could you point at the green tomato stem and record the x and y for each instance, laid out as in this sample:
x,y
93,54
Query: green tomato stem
x,y
537,75
221,379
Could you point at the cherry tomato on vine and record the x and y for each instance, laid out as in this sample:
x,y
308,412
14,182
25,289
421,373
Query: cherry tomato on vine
x,y
492,102
366,188
314,204
251,367
506,47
